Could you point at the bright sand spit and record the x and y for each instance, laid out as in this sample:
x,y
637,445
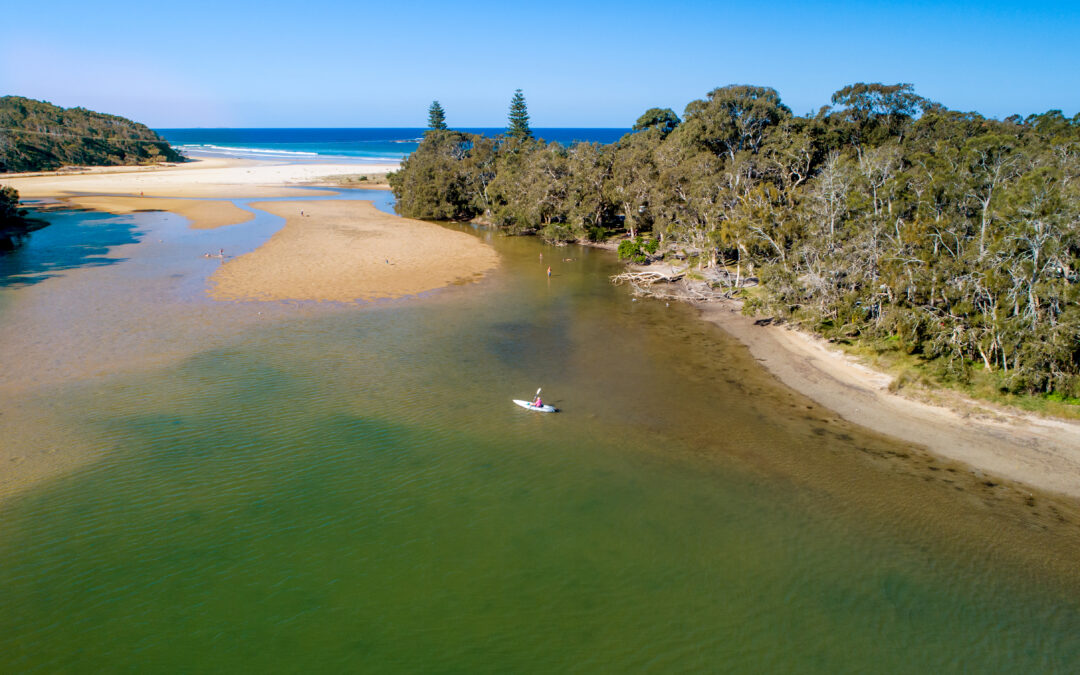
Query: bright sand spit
x,y
202,213
349,250
208,178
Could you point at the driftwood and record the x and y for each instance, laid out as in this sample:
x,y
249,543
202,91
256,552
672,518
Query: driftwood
x,y
646,278
674,285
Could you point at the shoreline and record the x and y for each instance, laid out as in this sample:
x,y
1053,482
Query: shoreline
x,y
1038,452
1042,453
199,178
347,251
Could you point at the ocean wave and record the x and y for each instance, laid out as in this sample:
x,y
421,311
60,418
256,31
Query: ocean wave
x,y
264,151
216,150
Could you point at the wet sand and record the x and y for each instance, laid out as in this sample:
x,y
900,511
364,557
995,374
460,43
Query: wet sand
x,y
349,250
202,214
1039,452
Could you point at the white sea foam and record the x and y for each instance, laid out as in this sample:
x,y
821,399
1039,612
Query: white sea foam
x,y
267,153
261,151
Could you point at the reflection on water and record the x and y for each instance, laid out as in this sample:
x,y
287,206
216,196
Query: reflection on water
x,y
350,488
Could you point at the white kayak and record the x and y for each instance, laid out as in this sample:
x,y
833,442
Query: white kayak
x,y
530,406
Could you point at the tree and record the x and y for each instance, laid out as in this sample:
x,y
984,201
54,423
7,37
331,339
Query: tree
x,y
430,183
436,117
663,119
633,175
9,204
885,219
870,107
13,220
733,119
519,117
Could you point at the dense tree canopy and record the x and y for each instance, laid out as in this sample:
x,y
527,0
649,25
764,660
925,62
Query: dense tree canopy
x,y
884,216
35,135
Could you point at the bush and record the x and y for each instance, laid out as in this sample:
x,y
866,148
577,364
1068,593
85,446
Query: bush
x,y
637,250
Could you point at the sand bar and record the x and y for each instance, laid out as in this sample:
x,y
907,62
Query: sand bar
x,y
202,213
349,250
1043,453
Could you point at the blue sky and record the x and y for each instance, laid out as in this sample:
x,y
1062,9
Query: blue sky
x,y
322,63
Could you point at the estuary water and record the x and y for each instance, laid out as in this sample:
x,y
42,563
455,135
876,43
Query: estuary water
x,y
326,488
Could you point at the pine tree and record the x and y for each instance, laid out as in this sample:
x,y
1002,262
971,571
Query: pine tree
x,y
519,117
436,116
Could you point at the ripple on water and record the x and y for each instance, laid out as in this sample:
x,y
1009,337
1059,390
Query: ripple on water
x,y
353,489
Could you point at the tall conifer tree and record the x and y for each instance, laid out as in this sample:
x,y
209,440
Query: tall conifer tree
x,y
519,117
436,116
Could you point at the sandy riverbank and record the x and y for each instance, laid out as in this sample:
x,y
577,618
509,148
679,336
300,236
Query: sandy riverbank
x,y
206,178
349,250
1039,452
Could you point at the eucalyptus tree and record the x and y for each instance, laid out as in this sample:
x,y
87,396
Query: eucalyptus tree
x,y
633,175
883,216
664,120
430,183
877,111
591,210
733,118
990,161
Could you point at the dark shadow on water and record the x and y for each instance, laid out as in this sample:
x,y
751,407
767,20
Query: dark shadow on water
x,y
72,240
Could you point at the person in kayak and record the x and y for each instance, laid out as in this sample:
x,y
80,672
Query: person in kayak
x,y
538,403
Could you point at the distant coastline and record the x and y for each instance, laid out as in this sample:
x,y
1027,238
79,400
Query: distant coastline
x,y
346,145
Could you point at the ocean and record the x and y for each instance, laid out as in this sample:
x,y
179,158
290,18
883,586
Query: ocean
x,y
340,145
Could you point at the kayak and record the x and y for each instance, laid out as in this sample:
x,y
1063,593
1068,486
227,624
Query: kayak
x,y
530,406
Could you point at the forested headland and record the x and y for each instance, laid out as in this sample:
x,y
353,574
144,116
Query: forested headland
x,y
35,136
884,218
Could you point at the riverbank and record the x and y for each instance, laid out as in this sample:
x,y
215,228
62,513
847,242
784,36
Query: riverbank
x,y
1042,453
345,251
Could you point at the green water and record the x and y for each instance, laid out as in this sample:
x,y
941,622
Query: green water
x,y
351,489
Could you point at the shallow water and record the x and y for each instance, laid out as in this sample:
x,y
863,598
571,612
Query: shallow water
x,y
349,487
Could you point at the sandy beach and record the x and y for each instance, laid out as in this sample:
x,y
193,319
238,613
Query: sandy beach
x,y
206,178
349,250
1042,453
